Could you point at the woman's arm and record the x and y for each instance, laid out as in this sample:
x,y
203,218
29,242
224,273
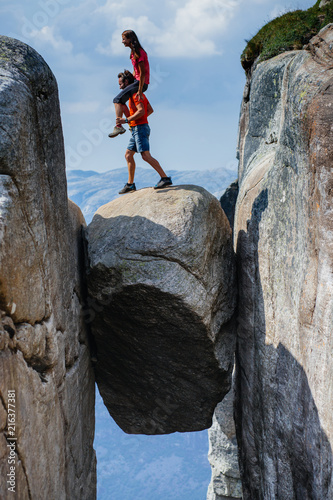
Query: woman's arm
x,y
142,72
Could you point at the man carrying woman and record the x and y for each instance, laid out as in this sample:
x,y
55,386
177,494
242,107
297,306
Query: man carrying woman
x,y
137,118
140,84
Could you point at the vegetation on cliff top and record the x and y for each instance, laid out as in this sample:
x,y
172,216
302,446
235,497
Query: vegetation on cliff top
x,y
291,31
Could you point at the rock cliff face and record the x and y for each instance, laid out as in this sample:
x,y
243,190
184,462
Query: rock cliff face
x,y
324,2
162,279
223,452
284,242
44,359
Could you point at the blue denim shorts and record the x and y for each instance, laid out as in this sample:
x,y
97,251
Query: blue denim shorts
x,y
139,142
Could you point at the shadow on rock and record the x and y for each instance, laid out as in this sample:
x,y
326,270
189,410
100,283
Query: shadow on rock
x,y
284,452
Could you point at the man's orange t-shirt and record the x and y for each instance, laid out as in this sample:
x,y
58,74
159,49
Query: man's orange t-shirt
x,y
132,104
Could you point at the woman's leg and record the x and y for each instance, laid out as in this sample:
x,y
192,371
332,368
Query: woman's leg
x,y
119,104
126,110
119,110
123,97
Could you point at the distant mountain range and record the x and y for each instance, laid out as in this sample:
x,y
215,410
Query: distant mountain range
x,y
89,189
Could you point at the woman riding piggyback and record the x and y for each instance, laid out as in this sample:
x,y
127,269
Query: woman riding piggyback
x,y
141,73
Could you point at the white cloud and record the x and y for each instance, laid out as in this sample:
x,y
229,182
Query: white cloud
x,y
141,25
113,8
192,28
195,29
46,35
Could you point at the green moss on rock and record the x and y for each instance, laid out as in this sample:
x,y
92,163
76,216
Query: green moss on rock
x,y
291,31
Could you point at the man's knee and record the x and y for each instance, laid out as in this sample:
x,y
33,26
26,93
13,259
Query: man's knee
x,y
145,155
129,154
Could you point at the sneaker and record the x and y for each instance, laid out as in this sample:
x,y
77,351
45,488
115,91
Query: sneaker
x,y
117,131
127,188
163,182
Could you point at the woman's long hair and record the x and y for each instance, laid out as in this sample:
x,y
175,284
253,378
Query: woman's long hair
x,y
134,43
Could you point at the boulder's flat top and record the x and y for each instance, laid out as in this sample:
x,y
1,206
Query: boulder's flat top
x,y
154,203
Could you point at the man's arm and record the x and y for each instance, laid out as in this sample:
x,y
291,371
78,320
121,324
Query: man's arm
x,y
140,111
149,109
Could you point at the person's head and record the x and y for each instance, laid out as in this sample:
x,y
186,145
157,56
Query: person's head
x,y
129,39
125,78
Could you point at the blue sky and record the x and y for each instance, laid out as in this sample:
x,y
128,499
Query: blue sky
x,y
194,49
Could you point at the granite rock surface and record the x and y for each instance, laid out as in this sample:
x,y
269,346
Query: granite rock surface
x,y
223,452
161,281
284,243
44,357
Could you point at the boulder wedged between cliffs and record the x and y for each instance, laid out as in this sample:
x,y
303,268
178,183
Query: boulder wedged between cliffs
x,y
161,278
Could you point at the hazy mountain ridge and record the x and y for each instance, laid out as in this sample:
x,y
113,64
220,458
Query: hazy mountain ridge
x,y
90,190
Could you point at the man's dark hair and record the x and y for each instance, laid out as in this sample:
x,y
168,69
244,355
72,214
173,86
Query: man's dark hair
x,y
126,75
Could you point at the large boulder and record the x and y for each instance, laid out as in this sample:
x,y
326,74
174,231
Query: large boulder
x,y
284,241
161,281
44,357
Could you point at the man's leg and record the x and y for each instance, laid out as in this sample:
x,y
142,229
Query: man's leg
x,y
146,156
129,186
129,156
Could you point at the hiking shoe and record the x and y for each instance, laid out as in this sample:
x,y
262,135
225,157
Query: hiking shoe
x,y
117,131
127,188
163,182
